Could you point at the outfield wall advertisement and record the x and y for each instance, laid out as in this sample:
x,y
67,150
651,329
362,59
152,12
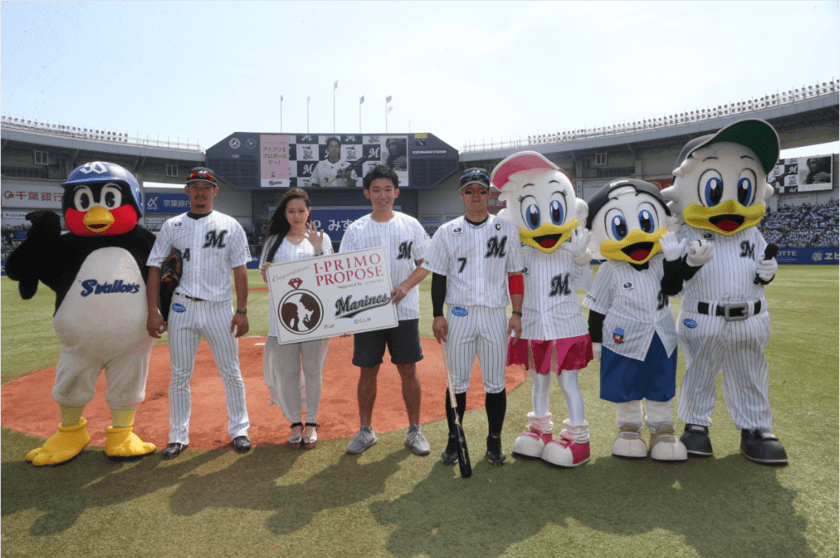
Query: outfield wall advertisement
x,y
808,256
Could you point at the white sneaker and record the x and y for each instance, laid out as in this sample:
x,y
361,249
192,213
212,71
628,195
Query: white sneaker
x,y
629,444
363,440
664,445
416,440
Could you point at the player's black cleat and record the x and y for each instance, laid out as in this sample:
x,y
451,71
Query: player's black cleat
x,y
495,455
696,440
762,446
450,454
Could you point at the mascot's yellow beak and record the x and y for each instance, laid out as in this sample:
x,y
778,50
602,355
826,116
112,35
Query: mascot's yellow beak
x,y
98,219
726,218
547,237
637,247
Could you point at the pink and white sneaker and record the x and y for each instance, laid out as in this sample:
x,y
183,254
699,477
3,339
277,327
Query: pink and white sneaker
x,y
570,449
530,443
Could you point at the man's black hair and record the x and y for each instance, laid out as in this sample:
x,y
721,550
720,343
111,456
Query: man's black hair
x,y
381,171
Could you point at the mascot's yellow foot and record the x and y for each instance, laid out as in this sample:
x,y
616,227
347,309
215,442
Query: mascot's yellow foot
x,y
122,442
62,446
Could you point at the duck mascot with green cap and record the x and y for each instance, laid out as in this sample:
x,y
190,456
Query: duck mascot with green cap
x,y
718,193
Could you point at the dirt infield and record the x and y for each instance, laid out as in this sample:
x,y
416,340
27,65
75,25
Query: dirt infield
x,y
27,403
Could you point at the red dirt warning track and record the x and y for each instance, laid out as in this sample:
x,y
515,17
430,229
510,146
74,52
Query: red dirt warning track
x,y
27,403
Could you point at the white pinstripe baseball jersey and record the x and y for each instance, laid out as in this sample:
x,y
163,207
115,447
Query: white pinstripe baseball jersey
x,y
634,306
210,246
728,276
475,260
326,171
288,252
404,239
550,307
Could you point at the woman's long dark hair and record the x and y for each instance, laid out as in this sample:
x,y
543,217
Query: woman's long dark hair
x,y
279,225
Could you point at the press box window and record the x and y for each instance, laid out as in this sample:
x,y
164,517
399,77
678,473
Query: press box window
x,y
42,158
171,170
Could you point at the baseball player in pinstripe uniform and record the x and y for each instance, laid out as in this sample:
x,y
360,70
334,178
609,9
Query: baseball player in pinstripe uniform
x,y
333,168
541,202
720,185
405,241
630,318
211,244
471,258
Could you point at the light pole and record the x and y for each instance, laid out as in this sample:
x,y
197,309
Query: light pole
x,y
387,100
335,86
307,113
281,114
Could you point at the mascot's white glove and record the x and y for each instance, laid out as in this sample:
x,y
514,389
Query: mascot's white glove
x,y
596,351
767,269
576,246
671,247
699,253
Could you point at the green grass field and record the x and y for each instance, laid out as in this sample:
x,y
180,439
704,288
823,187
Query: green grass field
x,y
278,501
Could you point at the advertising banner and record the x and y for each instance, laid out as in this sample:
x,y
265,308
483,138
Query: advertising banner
x,y
802,174
170,204
32,196
331,295
808,256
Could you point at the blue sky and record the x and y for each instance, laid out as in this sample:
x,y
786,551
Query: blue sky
x,y
465,71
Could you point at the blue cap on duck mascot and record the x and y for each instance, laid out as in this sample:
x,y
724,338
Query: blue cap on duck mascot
x,y
101,199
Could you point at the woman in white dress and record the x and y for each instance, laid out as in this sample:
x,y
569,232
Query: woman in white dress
x,y
291,236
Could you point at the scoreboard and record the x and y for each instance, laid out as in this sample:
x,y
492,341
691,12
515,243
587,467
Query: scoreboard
x,y
248,160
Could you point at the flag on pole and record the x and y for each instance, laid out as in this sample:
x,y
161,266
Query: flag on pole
x,y
388,99
335,85
281,98
361,99
390,109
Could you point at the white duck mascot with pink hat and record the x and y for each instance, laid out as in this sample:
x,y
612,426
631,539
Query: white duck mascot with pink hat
x,y
541,202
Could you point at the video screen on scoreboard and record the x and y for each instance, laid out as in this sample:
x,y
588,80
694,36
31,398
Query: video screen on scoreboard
x,y
329,161
802,174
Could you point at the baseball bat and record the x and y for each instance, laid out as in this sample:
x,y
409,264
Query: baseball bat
x,y
463,454
769,253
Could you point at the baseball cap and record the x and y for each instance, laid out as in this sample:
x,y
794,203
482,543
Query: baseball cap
x,y
202,174
475,176
757,135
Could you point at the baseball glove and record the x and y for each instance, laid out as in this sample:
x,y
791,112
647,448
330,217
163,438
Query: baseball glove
x,y
170,278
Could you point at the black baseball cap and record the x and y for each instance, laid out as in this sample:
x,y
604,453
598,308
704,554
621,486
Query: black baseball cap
x,y
757,135
600,198
475,175
202,174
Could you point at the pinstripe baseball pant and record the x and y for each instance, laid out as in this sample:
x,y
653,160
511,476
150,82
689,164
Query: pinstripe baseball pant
x,y
212,320
737,349
481,331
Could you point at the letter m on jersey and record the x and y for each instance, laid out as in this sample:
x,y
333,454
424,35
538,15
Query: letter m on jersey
x,y
214,240
496,248
405,250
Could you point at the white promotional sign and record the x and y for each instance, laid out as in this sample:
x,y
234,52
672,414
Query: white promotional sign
x,y
331,295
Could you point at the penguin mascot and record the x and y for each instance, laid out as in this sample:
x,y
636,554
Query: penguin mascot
x,y
541,202
630,319
98,272
719,189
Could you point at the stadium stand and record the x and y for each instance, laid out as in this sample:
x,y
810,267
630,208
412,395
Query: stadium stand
x,y
802,226
735,108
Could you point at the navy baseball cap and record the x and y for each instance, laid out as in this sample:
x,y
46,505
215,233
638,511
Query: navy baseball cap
x,y
475,176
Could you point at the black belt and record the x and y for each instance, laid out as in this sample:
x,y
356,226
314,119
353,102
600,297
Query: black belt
x,y
191,297
731,312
